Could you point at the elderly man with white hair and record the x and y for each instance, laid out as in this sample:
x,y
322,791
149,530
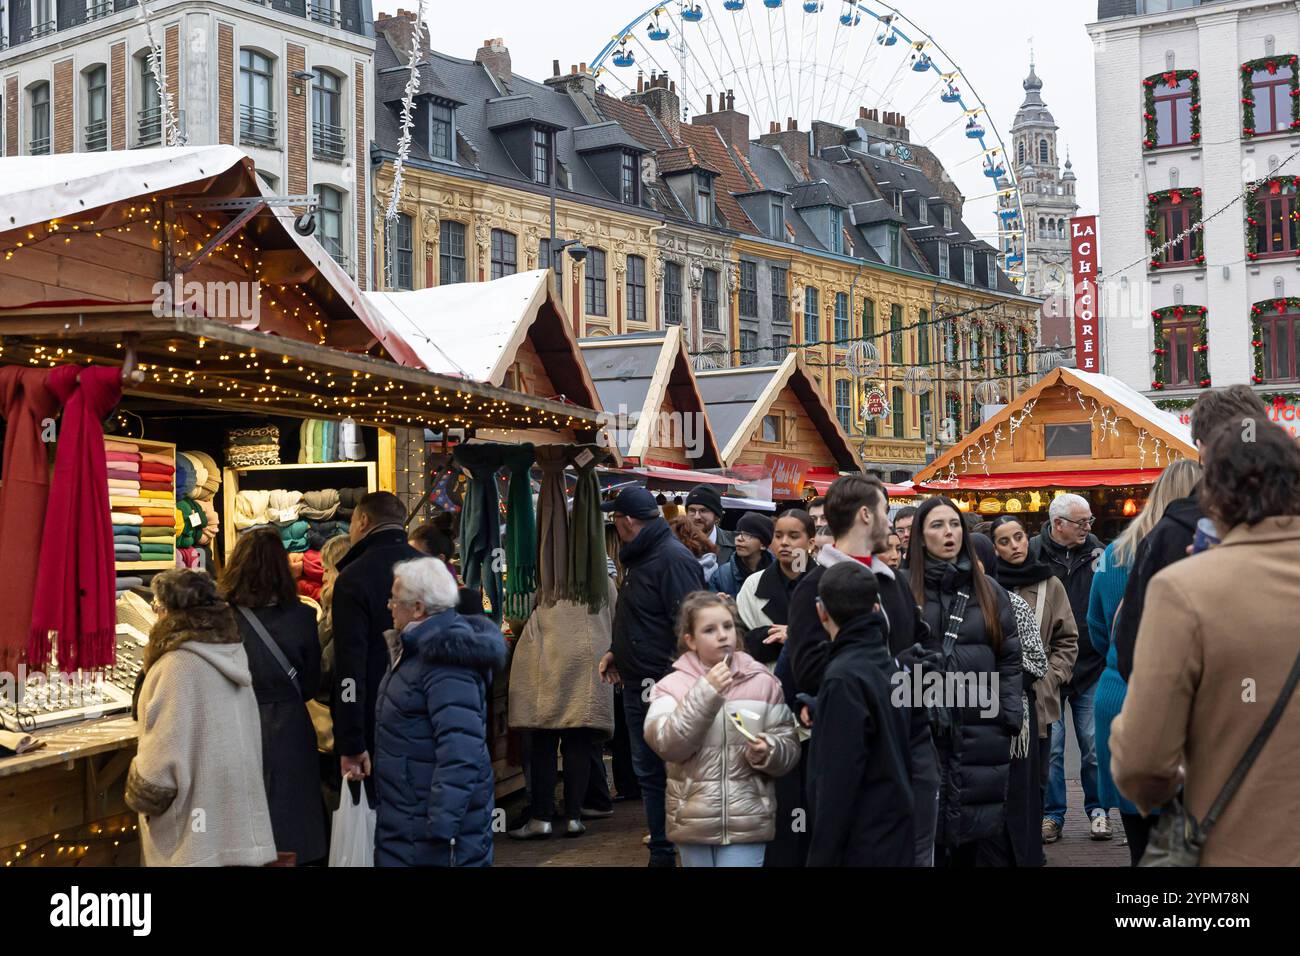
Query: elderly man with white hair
x,y
1069,548
433,770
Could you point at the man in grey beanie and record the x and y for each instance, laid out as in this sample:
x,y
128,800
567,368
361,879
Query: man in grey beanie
x,y
704,507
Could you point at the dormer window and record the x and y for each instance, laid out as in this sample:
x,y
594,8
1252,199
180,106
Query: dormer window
x,y
991,264
969,263
898,203
947,218
837,232
777,220
631,180
703,199
441,137
924,212
895,245
543,146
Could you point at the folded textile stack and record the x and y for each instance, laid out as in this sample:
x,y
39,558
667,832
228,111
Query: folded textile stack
x,y
142,501
206,481
253,446
348,500
318,442
313,575
318,532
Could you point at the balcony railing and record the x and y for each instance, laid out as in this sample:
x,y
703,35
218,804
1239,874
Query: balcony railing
x,y
40,146
97,136
101,8
149,126
256,126
323,13
43,29
327,142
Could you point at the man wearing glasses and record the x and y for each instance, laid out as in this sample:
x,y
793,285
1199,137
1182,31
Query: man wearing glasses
x,y
1069,548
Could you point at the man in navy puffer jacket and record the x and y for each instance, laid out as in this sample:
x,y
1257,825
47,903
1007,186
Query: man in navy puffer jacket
x,y
433,768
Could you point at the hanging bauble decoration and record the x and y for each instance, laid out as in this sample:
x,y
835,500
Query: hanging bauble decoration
x,y
917,380
989,392
862,359
1049,359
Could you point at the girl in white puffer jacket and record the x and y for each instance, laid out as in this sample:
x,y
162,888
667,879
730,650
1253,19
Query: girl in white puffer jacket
x,y
720,722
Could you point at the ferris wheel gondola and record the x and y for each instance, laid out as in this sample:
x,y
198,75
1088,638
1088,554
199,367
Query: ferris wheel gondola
x,y
692,14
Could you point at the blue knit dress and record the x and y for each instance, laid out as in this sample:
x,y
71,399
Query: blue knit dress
x,y
1107,591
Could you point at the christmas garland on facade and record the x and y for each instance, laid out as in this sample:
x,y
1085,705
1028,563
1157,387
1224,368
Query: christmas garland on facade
x,y
1280,306
1170,79
1270,64
1000,357
1192,197
1159,353
1273,186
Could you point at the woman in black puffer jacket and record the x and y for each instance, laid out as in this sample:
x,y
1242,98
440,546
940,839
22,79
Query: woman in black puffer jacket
x,y
974,748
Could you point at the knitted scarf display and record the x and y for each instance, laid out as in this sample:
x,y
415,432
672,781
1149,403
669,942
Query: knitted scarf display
x,y
75,590
480,525
521,533
553,526
588,579
25,402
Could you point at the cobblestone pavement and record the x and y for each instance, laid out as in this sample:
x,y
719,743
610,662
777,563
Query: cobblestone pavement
x,y
617,842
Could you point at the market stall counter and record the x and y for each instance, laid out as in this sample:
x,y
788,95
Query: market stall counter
x,y
63,803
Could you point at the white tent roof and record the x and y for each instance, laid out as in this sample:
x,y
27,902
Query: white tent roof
x,y
37,189
1134,400
466,328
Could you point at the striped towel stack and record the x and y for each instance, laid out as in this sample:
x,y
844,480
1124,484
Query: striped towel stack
x,y
142,499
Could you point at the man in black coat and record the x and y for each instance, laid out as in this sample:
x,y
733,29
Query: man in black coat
x,y
860,779
1070,549
659,572
704,507
1172,536
857,514
361,616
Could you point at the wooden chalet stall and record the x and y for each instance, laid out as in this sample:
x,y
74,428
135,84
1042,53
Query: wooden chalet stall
x,y
652,405
774,417
1072,431
89,244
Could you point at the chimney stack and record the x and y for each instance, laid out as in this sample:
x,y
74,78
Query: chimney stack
x,y
555,68
495,57
708,102
397,31
660,97
640,82
733,127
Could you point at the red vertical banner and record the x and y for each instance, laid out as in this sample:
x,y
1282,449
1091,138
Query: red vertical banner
x,y
1087,321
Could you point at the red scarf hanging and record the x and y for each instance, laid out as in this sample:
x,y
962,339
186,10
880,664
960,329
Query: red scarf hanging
x,y
75,586
25,402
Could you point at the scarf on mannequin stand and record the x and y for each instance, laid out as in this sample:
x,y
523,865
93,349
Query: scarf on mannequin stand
x,y
480,522
26,402
553,526
521,533
75,589
588,576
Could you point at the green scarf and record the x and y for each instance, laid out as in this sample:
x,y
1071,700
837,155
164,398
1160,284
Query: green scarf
x,y
521,534
588,573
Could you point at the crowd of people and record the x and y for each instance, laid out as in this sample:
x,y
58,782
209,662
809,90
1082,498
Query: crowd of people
x,y
829,687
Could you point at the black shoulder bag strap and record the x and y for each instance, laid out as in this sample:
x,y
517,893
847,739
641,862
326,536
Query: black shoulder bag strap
x,y
1239,773
271,646
946,717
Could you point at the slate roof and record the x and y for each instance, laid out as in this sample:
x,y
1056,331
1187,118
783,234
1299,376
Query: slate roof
x,y
636,119
735,174
607,135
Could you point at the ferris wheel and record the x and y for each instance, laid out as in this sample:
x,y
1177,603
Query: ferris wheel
x,y
824,60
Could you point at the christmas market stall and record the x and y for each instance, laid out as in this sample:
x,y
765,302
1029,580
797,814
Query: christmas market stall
x,y
774,419
244,381
1072,431
653,411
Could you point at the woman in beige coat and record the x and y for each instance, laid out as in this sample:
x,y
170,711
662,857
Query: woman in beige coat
x,y
1216,642
720,722
196,779
557,694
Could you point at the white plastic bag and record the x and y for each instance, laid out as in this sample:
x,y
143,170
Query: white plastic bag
x,y
352,836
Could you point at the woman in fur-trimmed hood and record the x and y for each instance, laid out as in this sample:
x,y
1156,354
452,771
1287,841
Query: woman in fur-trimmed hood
x,y
200,746
433,773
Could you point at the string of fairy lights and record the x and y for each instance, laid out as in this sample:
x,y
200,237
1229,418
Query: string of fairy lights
x,y
218,378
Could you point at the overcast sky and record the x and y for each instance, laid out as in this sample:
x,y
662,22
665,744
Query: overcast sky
x,y
990,43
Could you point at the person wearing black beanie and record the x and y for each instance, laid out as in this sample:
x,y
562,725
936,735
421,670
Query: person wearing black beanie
x,y
753,538
704,507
